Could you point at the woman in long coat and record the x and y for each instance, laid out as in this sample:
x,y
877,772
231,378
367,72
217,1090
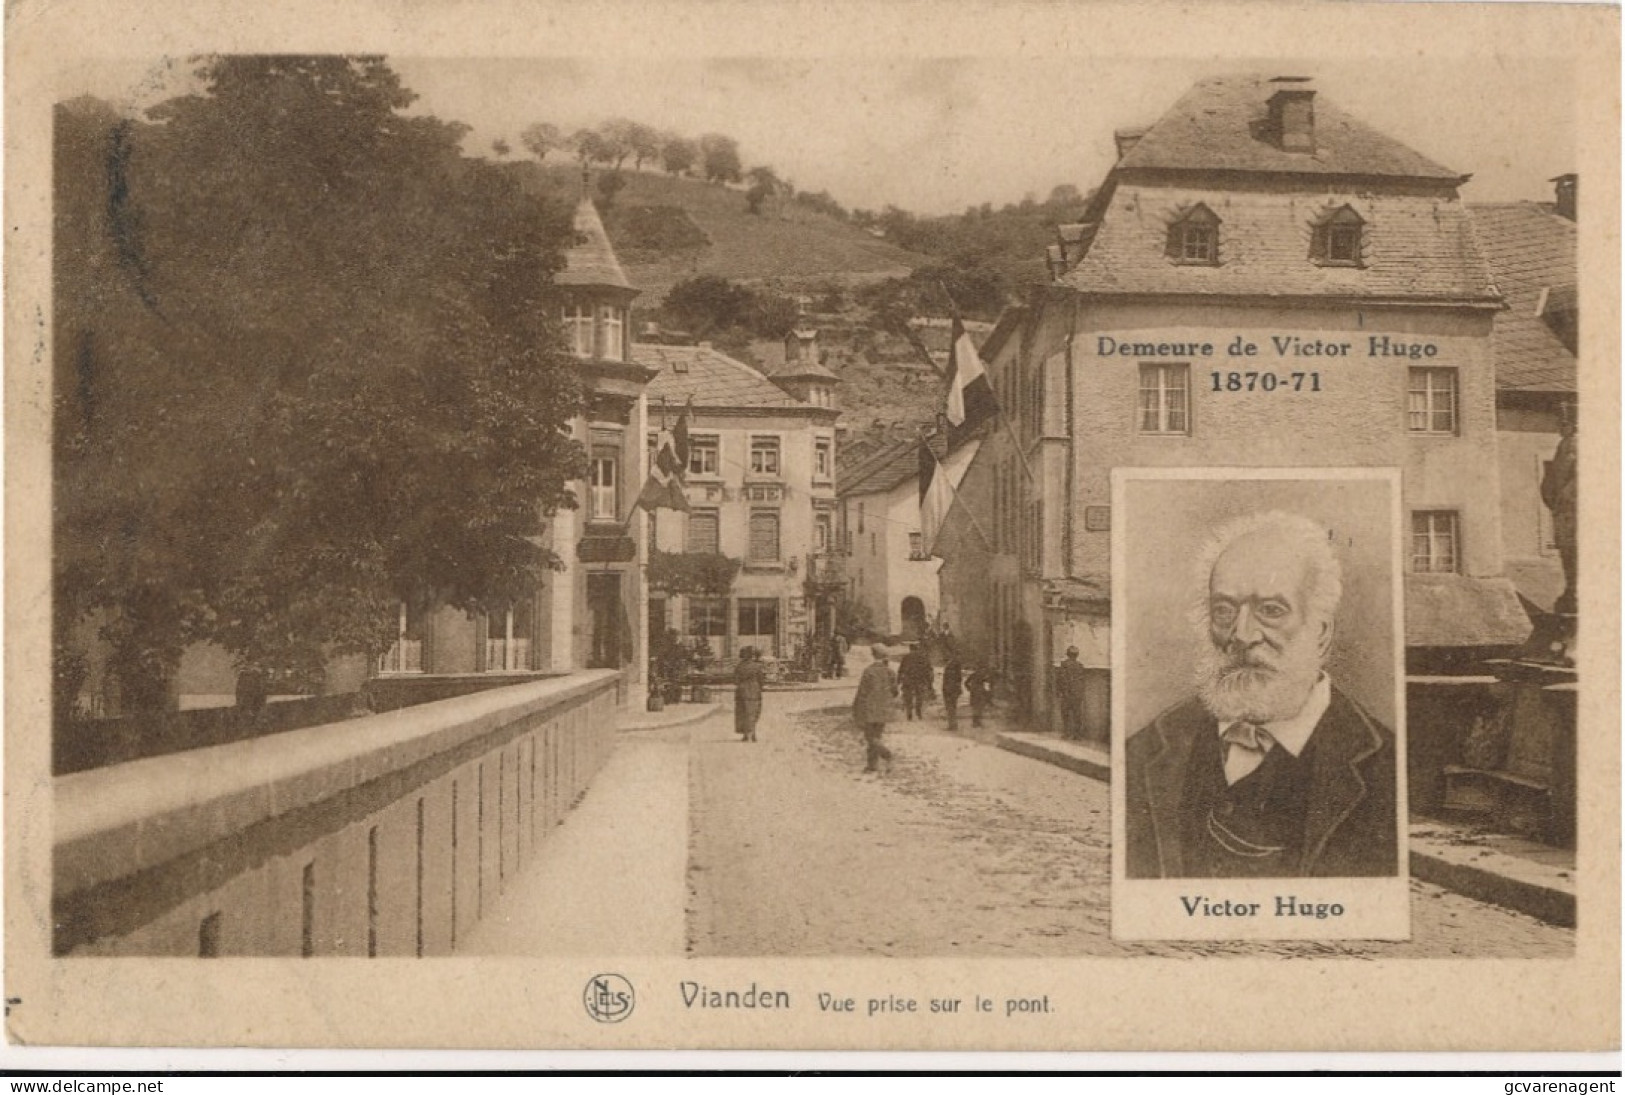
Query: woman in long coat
x,y
749,676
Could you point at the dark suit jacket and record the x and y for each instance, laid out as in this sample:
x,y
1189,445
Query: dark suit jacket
x,y
1352,827
914,671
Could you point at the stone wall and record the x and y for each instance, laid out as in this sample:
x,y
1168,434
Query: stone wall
x,y
386,835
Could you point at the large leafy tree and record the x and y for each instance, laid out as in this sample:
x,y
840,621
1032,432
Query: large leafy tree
x,y
644,140
719,158
542,138
303,369
678,154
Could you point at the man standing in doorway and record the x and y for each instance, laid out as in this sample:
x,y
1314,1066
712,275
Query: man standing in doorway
x,y
871,708
1069,691
914,677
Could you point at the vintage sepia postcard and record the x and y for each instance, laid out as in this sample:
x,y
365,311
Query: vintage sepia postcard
x,y
1001,526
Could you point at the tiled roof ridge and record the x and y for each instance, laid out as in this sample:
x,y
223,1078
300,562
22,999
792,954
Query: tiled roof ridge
x,y
755,373
1213,126
751,389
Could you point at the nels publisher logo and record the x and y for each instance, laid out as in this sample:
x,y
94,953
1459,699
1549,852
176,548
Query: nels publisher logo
x,y
609,997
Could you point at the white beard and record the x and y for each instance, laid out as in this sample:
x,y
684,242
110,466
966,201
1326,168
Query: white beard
x,y
1264,690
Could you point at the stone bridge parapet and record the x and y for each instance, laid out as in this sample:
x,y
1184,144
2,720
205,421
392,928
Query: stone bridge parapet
x,y
385,835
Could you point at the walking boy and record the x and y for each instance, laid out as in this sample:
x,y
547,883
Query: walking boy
x,y
872,706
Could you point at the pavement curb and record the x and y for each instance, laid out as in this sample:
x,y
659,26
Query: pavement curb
x,y
1075,756
700,711
1482,874
1500,880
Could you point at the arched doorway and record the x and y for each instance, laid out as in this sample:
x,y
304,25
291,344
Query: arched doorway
x,y
913,619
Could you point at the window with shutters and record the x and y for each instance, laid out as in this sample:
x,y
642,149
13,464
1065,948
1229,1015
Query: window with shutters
x,y
1435,548
823,464
1431,404
764,537
916,545
702,531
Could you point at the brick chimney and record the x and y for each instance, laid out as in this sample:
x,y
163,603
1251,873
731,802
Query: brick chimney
x,y
1568,196
1292,113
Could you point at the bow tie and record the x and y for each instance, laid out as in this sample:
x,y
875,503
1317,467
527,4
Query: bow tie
x,y
1248,742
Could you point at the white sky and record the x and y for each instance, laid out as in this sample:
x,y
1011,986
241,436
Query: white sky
x,y
936,135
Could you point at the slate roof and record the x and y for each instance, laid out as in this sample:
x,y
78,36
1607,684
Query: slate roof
x,y
712,379
1217,126
886,467
807,369
1455,610
879,471
591,261
1415,246
1214,148
1531,251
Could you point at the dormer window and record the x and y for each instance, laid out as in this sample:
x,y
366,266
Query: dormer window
x,y
1193,239
1339,239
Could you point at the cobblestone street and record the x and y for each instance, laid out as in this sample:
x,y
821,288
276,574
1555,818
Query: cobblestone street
x,y
960,848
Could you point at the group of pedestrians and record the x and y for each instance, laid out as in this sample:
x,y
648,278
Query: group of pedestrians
x,y
915,682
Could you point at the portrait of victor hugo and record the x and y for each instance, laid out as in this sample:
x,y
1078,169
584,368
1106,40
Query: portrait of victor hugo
x,y
1266,748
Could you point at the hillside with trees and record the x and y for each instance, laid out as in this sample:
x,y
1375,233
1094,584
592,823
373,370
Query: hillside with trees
x,y
669,228
753,222
730,254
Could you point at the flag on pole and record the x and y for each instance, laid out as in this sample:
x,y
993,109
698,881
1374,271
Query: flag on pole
x,y
664,487
970,395
936,495
679,436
